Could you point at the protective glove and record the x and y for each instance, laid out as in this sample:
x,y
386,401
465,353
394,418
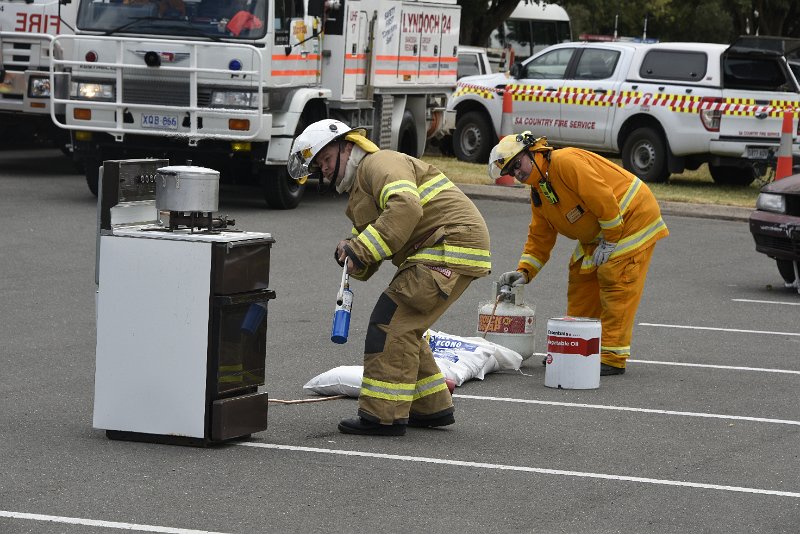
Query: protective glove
x,y
513,279
339,252
603,251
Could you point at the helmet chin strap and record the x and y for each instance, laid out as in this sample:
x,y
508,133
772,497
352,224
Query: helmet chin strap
x,y
332,184
544,175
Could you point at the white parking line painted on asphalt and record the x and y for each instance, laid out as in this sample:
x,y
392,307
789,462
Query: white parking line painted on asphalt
x,y
522,468
726,367
630,409
106,524
708,365
767,302
722,329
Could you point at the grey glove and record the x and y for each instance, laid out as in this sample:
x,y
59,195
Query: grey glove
x,y
513,279
603,252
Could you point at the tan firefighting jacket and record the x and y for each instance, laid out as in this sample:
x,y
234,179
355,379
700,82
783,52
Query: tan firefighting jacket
x,y
407,210
595,199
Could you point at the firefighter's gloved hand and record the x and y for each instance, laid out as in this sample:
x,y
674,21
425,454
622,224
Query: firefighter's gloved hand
x,y
339,254
512,278
603,251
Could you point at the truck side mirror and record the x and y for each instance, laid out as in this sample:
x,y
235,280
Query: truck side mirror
x,y
316,8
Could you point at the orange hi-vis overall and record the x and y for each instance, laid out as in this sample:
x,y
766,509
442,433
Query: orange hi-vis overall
x,y
596,199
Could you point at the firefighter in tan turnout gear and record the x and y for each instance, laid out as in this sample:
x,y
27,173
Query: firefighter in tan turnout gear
x,y
407,211
609,211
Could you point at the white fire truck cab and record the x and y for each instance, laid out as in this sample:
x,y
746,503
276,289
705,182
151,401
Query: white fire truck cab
x,y
228,84
26,29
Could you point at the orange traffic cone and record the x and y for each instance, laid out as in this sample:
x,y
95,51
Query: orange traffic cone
x,y
506,128
507,118
784,167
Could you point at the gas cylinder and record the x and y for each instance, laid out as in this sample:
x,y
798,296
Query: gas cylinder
x,y
341,317
508,321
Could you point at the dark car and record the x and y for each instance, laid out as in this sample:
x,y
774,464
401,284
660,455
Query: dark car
x,y
775,225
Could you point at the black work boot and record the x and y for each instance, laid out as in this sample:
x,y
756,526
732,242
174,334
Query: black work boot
x,y
608,370
441,418
360,426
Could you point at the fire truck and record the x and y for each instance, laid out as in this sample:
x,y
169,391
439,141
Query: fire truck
x,y
228,84
26,29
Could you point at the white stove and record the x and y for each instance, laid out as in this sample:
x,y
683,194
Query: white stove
x,y
181,320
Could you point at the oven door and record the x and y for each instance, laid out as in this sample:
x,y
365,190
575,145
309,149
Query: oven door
x,y
237,352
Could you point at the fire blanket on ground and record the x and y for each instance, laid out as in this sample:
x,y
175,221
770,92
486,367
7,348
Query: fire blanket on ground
x,y
459,358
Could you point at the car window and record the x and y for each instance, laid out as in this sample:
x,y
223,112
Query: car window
x,y
676,65
596,64
551,65
468,65
755,74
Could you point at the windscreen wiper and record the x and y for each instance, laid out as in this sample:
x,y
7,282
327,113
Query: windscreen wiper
x,y
132,22
186,24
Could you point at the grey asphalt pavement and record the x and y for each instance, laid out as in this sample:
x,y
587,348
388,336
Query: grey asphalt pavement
x,y
700,435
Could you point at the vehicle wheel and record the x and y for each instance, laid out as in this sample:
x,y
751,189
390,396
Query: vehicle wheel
x,y
644,154
446,146
407,136
786,268
281,191
730,175
92,171
473,137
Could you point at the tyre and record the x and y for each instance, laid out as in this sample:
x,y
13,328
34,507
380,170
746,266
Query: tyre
x,y
473,137
91,170
786,268
644,153
281,191
446,146
730,175
407,136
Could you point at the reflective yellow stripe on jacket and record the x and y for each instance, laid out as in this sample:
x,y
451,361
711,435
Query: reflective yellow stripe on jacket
x,y
433,187
394,188
375,243
454,255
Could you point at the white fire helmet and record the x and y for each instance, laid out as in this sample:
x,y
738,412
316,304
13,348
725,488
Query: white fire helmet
x,y
308,144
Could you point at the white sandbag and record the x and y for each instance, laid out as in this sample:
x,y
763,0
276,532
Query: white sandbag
x,y
342,380
459,358
464,358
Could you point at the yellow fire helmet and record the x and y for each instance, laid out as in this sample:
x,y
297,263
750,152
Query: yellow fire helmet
x,y
508,148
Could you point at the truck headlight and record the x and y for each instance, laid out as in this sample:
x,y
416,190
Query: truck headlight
x,y
39,87
234,99
93,91
771,202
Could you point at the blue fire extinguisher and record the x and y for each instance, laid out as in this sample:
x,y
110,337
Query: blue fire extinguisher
x,y
341,316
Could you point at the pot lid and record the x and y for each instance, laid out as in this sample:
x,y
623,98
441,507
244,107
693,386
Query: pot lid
x,y
187,169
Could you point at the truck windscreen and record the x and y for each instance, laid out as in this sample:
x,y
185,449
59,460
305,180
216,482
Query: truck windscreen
x,y
245,19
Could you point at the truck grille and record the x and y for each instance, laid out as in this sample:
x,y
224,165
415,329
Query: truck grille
x,y
162,92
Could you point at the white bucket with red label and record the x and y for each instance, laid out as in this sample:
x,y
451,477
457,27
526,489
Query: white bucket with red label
x,y
573,353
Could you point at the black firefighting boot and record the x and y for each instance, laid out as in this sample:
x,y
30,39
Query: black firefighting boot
x,y
443,418
608,370
359,425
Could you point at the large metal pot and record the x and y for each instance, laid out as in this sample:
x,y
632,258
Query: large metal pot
x,y
187,188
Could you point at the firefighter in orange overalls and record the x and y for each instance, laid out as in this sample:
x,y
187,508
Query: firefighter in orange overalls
x,y
407,211
609,211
